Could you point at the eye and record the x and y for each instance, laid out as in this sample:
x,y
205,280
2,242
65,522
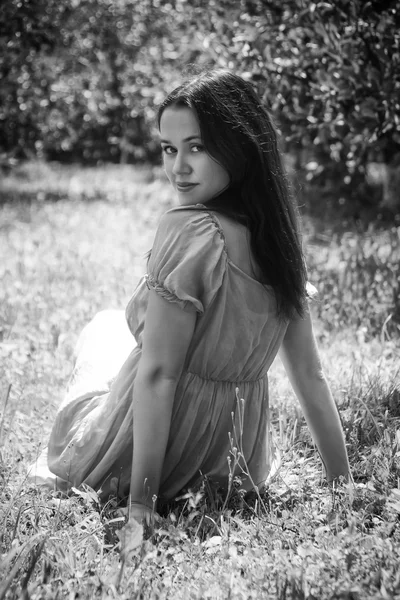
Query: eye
x,y
197,148
168,149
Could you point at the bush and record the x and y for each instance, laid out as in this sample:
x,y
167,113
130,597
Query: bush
x,y
330,72
81,79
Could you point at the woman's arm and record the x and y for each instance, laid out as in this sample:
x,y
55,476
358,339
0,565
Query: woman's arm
x,y
166,338
299,354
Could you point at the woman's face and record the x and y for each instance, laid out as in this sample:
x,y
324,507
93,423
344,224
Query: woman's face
x,y
193,173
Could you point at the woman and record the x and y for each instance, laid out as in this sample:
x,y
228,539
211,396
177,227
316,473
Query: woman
x,y
225,291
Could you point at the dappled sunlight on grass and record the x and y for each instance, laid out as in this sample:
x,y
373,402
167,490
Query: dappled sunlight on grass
x,y
39,182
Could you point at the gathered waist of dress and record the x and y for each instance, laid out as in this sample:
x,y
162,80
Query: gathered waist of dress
x,y
231,381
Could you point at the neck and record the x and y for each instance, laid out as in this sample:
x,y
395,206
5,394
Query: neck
x,y
230,203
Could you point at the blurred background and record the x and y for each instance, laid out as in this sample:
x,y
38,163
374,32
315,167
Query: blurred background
x,y
80,81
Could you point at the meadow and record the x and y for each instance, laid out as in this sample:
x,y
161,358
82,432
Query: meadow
x,y
72,242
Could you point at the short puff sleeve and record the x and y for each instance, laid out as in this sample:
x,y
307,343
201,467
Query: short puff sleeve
x,y
188,259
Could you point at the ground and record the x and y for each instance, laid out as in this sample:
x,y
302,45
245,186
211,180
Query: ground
x,y
73,241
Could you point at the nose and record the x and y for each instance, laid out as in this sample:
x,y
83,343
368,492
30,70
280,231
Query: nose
x,y
181,165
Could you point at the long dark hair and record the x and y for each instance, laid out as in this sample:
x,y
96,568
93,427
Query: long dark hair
x,y
238,133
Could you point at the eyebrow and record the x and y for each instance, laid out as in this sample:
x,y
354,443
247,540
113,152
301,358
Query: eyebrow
x,y
188,139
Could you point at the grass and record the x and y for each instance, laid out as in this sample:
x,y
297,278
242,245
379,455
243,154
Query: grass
x,y
73,242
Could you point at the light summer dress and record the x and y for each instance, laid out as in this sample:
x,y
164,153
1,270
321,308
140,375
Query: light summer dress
x,y
236,338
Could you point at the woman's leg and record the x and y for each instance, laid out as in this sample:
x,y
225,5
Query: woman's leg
x,y
102,348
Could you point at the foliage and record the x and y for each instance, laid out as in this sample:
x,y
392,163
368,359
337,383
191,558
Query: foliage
x,y
74,242
358,280
29,32
81,78
329,71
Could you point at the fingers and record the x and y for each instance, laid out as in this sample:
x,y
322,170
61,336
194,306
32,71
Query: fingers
x,y
143,514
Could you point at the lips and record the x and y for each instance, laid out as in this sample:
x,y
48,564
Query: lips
x,y
185,187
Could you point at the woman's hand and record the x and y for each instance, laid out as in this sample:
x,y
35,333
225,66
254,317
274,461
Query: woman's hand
x,y
131,535
141,513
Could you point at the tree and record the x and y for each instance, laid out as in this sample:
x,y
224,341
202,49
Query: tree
x,y
28,29
80,78
329,71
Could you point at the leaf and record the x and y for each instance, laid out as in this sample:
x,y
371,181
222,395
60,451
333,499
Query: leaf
x,y
394,500
87,493
212,542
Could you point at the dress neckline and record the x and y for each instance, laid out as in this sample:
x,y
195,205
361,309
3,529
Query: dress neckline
x,y
218,225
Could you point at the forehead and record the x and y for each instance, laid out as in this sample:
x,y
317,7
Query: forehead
x,y
179,121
